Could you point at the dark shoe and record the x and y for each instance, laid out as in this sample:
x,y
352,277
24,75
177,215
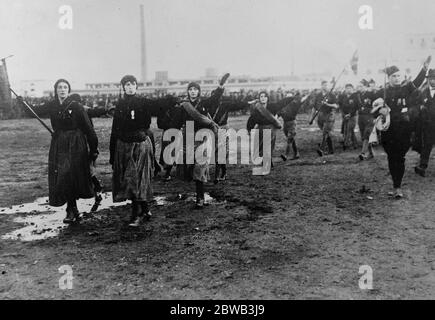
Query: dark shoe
x,y
98,199
69,216
420,171
76,214
319,152
362,157
283,157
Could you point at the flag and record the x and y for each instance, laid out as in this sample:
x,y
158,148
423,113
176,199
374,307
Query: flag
x,y
354,62
5,93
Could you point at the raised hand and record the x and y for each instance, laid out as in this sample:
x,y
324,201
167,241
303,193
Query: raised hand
x,y
427,62
224,79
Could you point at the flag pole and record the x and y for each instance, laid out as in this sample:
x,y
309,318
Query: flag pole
x,y
31,110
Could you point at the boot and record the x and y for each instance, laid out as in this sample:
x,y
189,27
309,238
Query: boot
x,y
97,185
72,213
98,199
146,213
69,216
135,214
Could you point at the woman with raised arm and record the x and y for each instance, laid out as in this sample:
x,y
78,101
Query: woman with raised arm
x,y
132,151
196,109
263,114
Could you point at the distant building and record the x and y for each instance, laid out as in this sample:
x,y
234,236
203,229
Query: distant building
x,y
34,88
163,84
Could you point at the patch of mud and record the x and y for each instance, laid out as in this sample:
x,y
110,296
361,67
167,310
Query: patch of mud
x,y
43,221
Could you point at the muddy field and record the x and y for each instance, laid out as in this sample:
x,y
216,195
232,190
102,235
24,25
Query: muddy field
x,y
300,233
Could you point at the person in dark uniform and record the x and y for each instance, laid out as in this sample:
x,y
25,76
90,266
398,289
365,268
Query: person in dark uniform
x,y
426,123
396,139
349,103
365,118
325,104
132,151
92,113
288,115
69,176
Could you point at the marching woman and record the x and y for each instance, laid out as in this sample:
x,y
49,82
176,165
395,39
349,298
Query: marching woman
x,y
69,175
196,109
264,115
132,152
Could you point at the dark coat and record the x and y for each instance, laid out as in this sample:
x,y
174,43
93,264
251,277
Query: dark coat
x,y
349,104
68,161
399,100
425,124
290,110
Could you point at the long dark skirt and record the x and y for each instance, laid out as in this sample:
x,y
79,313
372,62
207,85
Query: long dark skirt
x,y
68,168
133,168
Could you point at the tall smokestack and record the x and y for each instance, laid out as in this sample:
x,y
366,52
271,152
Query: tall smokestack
x,y
143,63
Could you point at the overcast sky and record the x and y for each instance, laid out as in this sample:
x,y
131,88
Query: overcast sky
x,y
186,36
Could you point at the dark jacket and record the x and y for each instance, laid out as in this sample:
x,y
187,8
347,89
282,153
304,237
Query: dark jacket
x,y
349,104
131,120
324,97
398,98
72,117
289,112
367,98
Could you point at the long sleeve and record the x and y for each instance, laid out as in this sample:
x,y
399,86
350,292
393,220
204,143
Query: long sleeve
x,y
200,119
213,99
418,81
267,115
87,128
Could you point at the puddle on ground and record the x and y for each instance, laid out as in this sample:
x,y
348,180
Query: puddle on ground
x,y
43,221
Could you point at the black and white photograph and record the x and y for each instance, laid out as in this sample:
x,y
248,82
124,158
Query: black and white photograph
x,y
205,150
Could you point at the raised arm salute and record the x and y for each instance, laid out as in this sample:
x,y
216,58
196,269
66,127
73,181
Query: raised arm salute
x,y
396,139
132,152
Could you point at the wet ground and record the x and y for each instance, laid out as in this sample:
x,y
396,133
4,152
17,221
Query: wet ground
x,y
301,232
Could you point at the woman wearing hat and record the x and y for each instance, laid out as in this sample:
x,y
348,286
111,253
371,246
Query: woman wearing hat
x,y
196,109
264,115
69,175
396,138
131,150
